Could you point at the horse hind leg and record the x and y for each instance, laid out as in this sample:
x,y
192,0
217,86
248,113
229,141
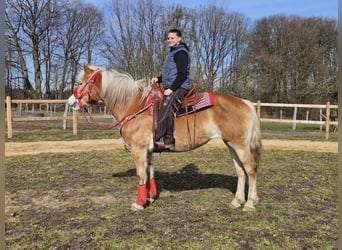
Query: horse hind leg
x,y
251,170
245,165
239,198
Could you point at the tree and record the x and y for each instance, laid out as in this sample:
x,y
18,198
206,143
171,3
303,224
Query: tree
x,y
79,32
134,37
28,22
16,51
219,38
278,59
50,38
289,57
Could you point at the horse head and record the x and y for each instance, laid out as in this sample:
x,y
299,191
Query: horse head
x,y
87,92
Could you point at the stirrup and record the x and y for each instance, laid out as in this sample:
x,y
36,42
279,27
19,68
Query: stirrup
x,y
160,145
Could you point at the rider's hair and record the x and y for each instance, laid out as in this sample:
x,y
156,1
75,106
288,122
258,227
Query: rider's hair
x,y
177,31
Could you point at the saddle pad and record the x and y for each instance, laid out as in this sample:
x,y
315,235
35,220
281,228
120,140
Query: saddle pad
x,y
205,101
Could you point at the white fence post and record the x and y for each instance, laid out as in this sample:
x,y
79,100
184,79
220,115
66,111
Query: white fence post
x,y
327,121
65,115
9,117
294,118
320,119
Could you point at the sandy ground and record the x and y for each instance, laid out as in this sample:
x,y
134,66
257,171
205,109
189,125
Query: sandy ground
x,y
12,149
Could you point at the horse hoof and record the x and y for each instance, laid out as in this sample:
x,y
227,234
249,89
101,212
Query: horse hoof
x,y
137,207
150,200
248,209
234,204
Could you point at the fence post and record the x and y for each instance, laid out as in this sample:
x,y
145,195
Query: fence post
x,y
259,110
327,121
320,119
294,118
20,108
9,117
65,115
74,121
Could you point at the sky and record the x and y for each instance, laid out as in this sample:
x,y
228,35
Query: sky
x,y
256,9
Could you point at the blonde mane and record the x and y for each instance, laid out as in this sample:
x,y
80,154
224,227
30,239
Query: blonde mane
x,y
116,86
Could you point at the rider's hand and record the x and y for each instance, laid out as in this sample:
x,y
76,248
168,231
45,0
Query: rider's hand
x,y
168,92
154,80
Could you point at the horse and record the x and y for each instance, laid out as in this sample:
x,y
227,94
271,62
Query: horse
x,y
230,118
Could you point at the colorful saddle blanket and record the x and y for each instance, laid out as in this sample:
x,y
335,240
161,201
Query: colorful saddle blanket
x,y
198,102
204,100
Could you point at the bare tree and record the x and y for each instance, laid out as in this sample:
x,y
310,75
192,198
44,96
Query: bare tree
x,y
218,39
39,16
78,34
281,58
16,50
291,56
28,21
47,39
134,36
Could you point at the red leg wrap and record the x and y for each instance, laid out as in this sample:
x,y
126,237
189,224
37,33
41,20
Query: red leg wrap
x,y
152,188
142,197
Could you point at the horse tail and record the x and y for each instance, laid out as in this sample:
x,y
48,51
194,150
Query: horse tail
x,y
253,134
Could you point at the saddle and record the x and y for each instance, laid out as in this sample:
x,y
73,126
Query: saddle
x,y
191,103
190,99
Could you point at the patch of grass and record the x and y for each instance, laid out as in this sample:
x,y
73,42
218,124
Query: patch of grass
x,y
270,130
62,135
287,127
87,205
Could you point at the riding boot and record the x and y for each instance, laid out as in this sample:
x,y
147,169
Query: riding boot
x,y
169,141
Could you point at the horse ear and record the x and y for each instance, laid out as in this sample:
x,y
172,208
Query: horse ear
x,y
86,68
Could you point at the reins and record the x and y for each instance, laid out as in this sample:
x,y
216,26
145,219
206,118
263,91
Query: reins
x,y
92,122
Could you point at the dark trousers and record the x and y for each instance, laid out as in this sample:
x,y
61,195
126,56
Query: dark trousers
x,y
170,105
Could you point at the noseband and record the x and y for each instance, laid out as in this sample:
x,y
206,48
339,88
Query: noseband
x,y
87,92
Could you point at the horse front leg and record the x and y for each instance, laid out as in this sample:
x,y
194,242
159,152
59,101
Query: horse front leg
x,y
151,184
139,157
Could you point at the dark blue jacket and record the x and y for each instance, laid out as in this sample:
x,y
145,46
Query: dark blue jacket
x,y
176,68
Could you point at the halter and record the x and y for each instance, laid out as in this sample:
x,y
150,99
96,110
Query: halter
x,y
82,93
79,95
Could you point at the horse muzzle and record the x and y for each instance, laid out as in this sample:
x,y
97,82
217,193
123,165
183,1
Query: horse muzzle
x,y
74,102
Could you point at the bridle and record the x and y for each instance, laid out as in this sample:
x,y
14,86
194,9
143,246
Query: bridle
x,y
79,94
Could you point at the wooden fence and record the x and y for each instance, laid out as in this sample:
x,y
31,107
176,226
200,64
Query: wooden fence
x,y
51,104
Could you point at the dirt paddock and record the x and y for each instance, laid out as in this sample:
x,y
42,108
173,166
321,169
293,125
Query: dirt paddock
x,y
12,148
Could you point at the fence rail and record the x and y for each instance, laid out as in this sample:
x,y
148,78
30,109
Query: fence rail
x,y
74,117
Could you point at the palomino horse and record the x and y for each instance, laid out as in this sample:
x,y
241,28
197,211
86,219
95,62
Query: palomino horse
x,y
232,119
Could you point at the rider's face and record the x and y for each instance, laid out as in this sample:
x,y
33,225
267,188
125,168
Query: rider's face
x,y
173,39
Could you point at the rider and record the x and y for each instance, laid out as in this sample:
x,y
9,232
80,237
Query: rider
x,y
176,83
